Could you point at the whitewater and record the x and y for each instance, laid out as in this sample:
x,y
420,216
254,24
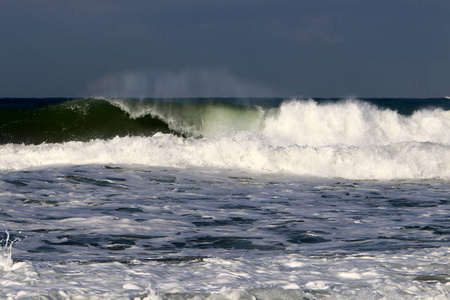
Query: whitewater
x,y
225,198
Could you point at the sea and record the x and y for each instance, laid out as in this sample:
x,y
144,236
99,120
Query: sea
x,y
224,198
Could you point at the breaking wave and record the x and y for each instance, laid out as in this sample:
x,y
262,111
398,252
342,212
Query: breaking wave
x,y
346,138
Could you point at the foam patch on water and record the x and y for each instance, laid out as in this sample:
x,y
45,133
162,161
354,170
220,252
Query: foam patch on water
x,y
405,275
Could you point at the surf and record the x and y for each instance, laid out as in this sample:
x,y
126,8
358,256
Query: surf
x,y
336,139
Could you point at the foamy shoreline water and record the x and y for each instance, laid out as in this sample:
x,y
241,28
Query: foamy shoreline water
x,y
121,231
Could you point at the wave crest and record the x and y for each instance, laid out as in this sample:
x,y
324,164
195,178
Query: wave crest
x,y
353,123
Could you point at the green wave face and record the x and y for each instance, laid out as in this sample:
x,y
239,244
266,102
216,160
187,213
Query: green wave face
x,y
196,118
88,119
75,120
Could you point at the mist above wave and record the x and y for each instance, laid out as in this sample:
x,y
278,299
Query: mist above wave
x,y
206,82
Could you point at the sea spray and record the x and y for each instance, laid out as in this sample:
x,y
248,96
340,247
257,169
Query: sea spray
x,y
6,261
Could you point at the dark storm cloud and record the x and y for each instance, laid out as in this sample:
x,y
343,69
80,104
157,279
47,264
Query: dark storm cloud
x,y
395,48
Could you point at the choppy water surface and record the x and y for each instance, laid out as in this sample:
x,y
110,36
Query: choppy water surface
x,y
121,231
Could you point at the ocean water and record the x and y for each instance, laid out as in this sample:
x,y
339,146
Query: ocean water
x,y
225,198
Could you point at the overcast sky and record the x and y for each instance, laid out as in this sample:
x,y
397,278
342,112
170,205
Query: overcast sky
x,y
189,48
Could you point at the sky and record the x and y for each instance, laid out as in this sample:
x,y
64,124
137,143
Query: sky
x,y
225,48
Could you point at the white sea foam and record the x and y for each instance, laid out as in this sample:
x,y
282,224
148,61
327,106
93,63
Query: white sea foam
x,y
393,161
353,122
363,276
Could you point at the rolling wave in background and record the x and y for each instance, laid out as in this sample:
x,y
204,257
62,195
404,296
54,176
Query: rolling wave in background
x,y
360,139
